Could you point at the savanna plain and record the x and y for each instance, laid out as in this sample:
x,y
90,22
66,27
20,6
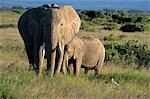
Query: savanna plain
x,y
133,78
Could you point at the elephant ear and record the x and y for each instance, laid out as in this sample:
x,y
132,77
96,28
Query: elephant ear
x,y
76,52
71,18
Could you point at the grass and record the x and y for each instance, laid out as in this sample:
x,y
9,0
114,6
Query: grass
x,y
8,17
17,82
143,37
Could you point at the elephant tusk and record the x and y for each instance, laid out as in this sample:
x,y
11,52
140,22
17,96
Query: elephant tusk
x,y
43,50
59,48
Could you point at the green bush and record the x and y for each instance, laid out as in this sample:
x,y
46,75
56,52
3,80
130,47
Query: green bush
x,y
92,14
132,53
99,21
131,27
111,26
83,16
8,26
86,24
111,19
146,26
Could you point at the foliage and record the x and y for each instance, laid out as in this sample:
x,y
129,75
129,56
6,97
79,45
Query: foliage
x,y
111,19
111,26
135,27
8,26
131,53
86,24
83,16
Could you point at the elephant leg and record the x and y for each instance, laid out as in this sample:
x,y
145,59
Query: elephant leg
x,y
78,66
100,61
60,60
71,69
64,64
30,53
86,70
48,59
36,55
41,65
28,41
64,69
98,67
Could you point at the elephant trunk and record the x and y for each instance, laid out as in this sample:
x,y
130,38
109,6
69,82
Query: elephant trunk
x,y
53,52
55,40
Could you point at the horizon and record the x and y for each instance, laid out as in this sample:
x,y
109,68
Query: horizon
x,y
143,5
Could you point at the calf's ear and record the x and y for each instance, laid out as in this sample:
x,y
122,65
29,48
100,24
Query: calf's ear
x,y
76,53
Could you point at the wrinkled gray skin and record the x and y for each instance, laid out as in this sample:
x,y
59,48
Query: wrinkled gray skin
x,y
86,52
54,26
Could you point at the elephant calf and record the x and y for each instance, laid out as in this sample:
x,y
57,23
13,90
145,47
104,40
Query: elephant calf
x,y
87,52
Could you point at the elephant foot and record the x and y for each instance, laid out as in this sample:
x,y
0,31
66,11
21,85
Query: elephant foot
x,y
36,70
56,73
32,68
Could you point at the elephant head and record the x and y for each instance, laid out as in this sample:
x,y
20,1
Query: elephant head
x,y
74,50
65,23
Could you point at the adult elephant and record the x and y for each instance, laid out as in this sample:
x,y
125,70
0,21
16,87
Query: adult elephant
x,y
49,26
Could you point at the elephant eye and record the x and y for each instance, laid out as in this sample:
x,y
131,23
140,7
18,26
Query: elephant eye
x,y
61,24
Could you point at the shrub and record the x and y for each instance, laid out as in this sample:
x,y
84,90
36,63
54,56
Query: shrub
x,y
141,19
86,24
111,26
99,21
132,53
110,20
92,14
146,26
83,16
8,26
133,27
18,11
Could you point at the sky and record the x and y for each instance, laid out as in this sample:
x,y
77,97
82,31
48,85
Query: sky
x,y
83,4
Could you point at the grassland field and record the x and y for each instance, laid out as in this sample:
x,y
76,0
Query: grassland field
x,y
17,82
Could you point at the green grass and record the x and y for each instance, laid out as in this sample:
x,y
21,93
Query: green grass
x,y
20,83
9,17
